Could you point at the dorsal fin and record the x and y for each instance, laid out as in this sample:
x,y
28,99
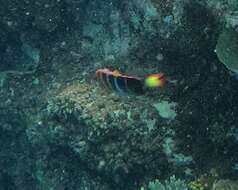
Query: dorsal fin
x,y
116,73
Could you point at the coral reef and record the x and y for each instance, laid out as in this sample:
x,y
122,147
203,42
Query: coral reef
x,y
171,184
60,130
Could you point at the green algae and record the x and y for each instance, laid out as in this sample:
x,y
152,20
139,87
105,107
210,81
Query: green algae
x,y
227,49
171,184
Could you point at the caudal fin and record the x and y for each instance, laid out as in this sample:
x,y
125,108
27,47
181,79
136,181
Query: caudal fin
x,y
155,80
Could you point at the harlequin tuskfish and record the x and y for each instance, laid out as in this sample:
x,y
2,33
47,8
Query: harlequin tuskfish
x,y
120,83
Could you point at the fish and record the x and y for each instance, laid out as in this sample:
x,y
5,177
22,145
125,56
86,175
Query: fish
x,y
114,80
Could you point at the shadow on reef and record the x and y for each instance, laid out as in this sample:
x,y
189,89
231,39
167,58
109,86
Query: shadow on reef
x,y
207,94
16,152
7,182
205,91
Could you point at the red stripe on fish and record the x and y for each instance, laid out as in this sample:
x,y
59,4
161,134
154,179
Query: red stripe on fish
x,y
121,83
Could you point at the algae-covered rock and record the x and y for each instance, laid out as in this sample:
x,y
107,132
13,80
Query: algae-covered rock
x,y
227,49
225,185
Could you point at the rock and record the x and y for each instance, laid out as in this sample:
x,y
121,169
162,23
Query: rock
x,y
225,185
166,109
227,49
